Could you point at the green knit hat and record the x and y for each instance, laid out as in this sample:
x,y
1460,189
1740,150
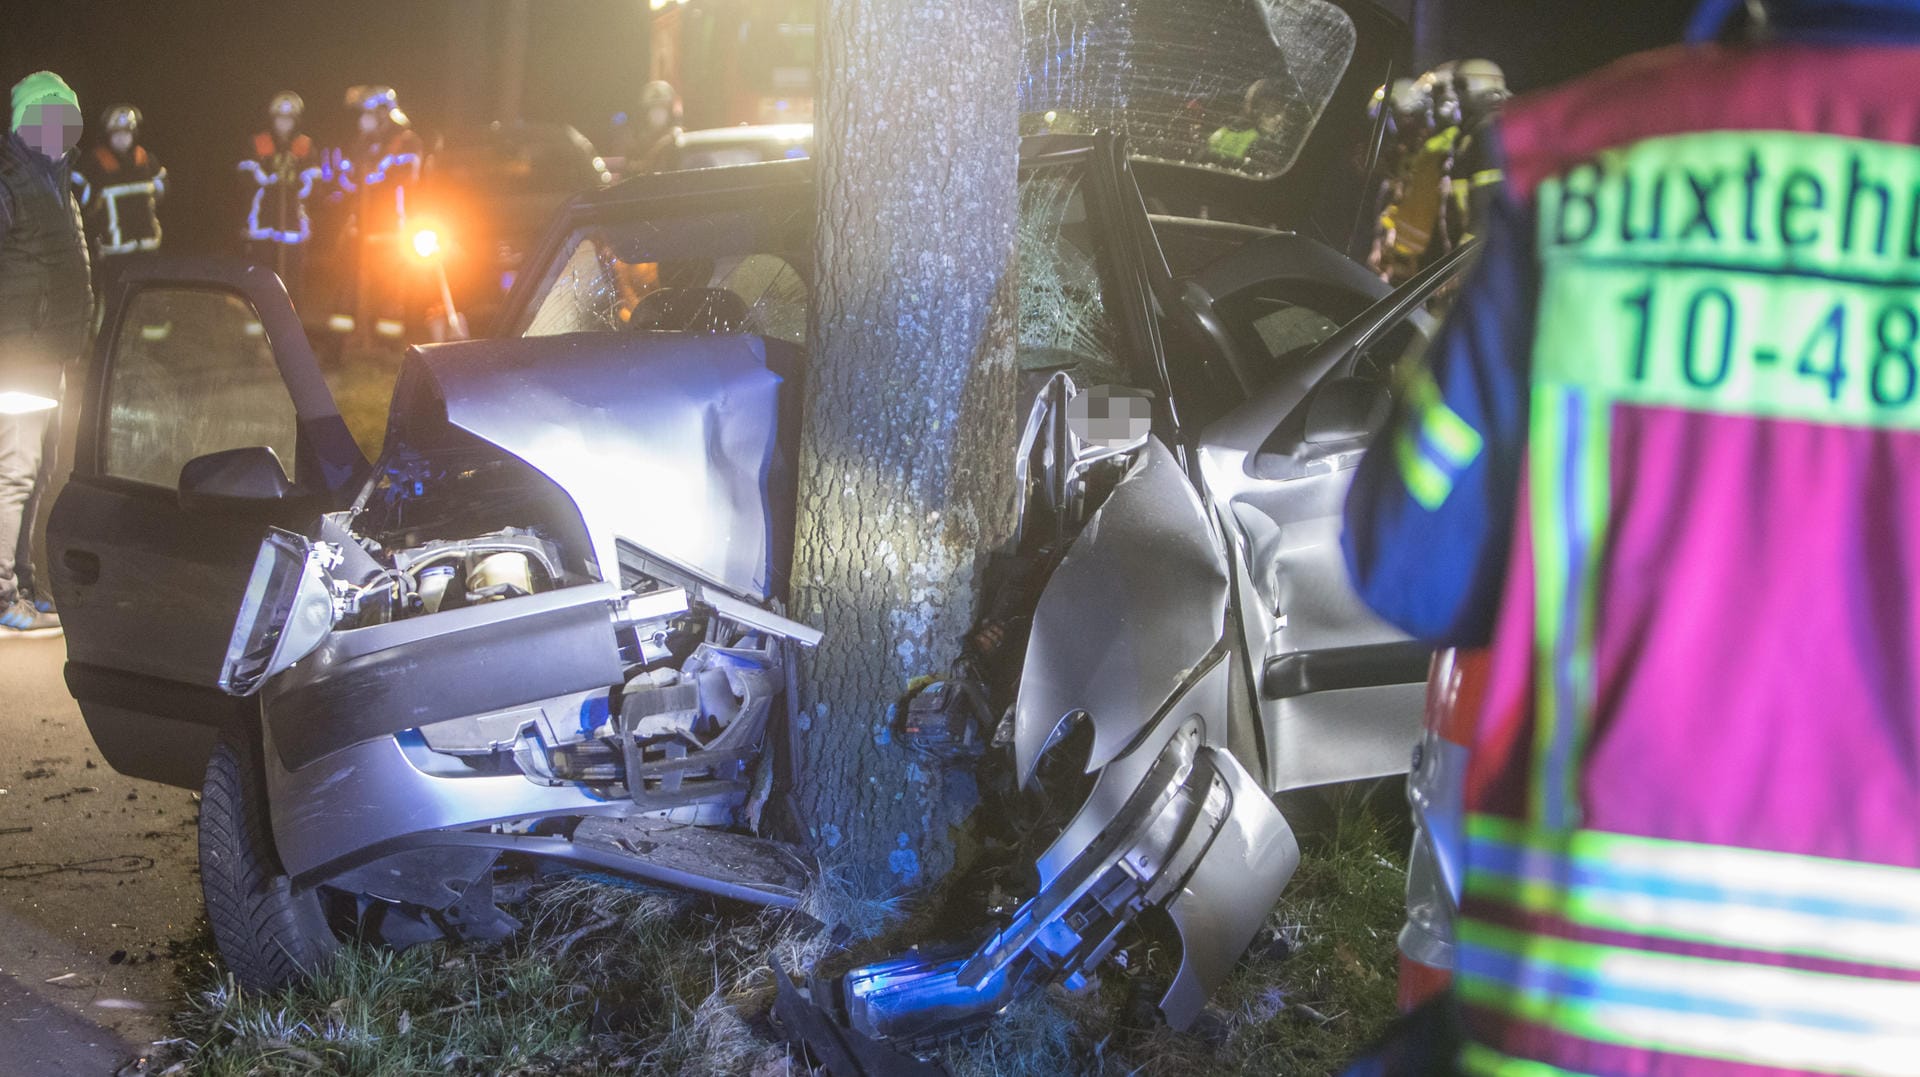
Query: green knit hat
x,y
40,88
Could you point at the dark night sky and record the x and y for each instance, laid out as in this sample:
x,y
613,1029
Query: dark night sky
x,y
202,70
1541,42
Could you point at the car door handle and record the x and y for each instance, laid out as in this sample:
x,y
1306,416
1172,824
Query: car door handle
x,y
81,566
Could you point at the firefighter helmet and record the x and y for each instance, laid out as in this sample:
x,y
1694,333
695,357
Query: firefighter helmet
x,y
658,92
372,98
1481,84
121,118
286,103
659,97
1411,100
382,101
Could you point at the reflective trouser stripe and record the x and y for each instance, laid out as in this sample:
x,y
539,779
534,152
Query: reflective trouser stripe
x,y
1482,1061
1734,1011
1746,899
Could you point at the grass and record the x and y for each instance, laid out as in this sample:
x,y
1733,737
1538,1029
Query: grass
x,y
362,384
609,979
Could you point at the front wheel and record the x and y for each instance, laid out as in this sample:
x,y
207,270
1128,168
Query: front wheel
x,y
269,933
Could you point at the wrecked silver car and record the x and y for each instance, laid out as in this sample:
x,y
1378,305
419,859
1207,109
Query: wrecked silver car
x,y
543,627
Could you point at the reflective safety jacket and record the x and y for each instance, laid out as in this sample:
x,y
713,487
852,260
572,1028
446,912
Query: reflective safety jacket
x,y
281,175
378,178
1415,221
1667,460
1233,143
120,195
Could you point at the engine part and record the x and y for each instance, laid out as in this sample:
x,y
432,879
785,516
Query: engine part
x,y
501,573
655,709
434,581
947,721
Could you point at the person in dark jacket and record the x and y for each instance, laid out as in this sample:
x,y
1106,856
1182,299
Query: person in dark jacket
x,y
120,184
46,300
376,175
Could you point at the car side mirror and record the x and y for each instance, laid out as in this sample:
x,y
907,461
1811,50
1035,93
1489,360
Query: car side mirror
x,y
1346,409
232,478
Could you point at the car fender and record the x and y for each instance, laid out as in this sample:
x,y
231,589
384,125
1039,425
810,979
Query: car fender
x,y
1135,606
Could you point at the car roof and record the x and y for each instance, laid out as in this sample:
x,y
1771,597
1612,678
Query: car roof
x,y
761,132
761,175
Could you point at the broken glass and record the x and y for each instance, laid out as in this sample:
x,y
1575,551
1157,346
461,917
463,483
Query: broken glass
x,y
1229,85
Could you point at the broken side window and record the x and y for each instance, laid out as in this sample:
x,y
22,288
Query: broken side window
x,y
1063,322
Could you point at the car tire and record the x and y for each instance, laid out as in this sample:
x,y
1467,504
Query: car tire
x,y
269,933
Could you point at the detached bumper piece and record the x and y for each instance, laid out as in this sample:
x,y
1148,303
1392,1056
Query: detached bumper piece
x,y
1196,836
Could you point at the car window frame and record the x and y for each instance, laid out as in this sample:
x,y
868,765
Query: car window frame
x,y
553,252
92,455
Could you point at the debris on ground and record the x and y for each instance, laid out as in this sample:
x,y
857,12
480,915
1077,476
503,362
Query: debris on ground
x,y
617,978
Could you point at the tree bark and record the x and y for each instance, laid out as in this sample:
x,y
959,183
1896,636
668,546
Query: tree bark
x,y
906,464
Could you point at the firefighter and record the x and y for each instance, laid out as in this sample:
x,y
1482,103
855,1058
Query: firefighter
x,y
281,175
1481,88
1665,461
1265,114
376,174
1409,114
647,139
1416,224
120,185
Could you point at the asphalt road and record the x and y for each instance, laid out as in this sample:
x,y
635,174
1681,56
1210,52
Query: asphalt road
x,y
98,884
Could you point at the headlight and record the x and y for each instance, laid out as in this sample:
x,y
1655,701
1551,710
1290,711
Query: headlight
x,y
426,243
286,614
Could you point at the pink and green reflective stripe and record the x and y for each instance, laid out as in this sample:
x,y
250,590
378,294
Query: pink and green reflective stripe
x,y
1732,1011
1568,477
1437,447
1735,898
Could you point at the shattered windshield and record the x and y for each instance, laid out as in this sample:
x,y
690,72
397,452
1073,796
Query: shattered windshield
x,y
1231,85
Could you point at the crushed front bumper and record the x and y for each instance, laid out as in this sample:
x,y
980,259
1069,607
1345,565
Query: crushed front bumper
x,y
1175,823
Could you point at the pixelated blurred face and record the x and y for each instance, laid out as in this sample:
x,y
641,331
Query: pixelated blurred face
x,y
50,127
121,141
369,123
283,126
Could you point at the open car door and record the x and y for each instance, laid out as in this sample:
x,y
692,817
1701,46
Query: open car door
x,y
1339,690
204,419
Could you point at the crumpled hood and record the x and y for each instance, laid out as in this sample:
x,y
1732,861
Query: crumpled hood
x,y
670,442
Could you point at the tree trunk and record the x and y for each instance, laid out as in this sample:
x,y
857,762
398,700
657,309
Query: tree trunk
x,y
906,469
